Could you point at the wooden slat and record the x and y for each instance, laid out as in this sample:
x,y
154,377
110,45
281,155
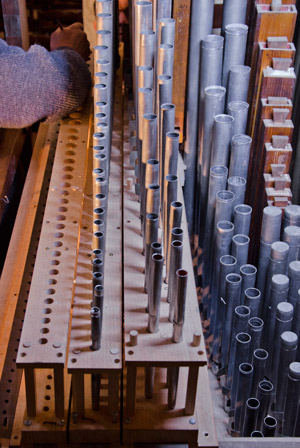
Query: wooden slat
x,y
45,331
15,22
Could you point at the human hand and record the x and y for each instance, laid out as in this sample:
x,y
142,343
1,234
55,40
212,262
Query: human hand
x,y
71,36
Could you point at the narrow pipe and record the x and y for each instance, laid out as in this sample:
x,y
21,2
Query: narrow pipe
x,y
234,11
260,358
170,195
97,279
98,297
251,414
252,300
248,273
99,213
239,249
144,106
269,426
240,154
179,305
97,253
221,140
242,219
173,374
96,328
244,387
255,328
95,390
239,111
101,52
238,83
97,265
155,280
152,199
223,210
241,356
100,93
237,185
147,47
165,63
175,265
264,395
104,6
234,48
170,156
99,241
174,221
145,76
292,400
294,276
149,381
151,233
104,21
167,124
256,433
166,30
291,236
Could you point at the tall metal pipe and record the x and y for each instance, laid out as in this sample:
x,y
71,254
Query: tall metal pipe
x,y
151,233
223,210
241,355
170,162
174,222
156,271
239,111
145,106
243,391
234,48
239,249
96,328
173,374
213,104
221,140
97,279
288,349
291,236
104,6
232,294
251,414
165,62
277,265
145,76
264,395
161,9
294,276
175,264
104,21
248,273
234,11
284,317
237,185
97,265
259,360
227,266
179,305
98,296
167,124
98,241
252,300
152,199
147,48
201,20
152,172
166,30
292,400
255,329
100,93
242,219
170,195
238,83
239,156
101,52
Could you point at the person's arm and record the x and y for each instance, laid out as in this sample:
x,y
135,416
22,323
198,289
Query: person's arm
x,y
40,84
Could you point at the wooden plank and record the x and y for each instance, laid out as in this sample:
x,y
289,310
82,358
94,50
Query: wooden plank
x,y
48,312
15,22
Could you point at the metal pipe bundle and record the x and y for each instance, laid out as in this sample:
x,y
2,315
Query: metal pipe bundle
x,y
201,20
155,279
234,48
239,111
221,140
238,83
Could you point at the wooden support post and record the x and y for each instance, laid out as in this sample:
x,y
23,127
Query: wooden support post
x,y
130,391
191,390
59,392
78,393
30,391
113,394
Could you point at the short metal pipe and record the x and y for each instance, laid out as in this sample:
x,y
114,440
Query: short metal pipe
x,y
238,83
145,76
239,111
223,210
104,21
97,279
248,273
251,414
243,391
234,48
252,298
240,154
291,216
173,374
155,280
175,264
97,265
104,6
98,297
271,224
164,66
242,219
239,249
96,328
179,305
170,195
99,241
292,400
237,185
147,47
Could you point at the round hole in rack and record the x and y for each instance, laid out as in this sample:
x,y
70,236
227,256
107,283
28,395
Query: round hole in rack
x,y
67,176
6,401
68,168
84,227
69,160
45,408
60,226
63,209
50,291
47,311
128,221
74,222
52,281
64,193
71,145
59,355
48,387
53,272
43,341
70,153
116,361
73,130
55,262
45,320
23,354
44,330
49,377
56,253
58,235
72,138
75,115
48,301
60,218
200,352
73,360
66,248
66,185
47,397
58,243
130,352
64,201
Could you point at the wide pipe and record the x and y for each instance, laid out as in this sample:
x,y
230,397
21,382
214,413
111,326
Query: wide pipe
x,y
238,83
239,249
234,11
291,236
292,400
251,414
176,262
252,300
221,140
239,156
234,48
248,273
239,111
243,391
242,219
237,185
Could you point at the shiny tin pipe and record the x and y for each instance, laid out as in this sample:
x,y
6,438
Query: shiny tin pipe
x,y
167,124
97,265
256,433
104,6
264,395
155,248
176,262
170,195
234,11
241,355
165,62
173,374
99,140
244,387
96,328
237,185
242,219
269,426
166,31
98,241
101,185
151,233
145,76
100,161
288,349
174,222
171,153
291,216
145,106
149,151
291,236
99,213
165,89
292,400
223,211
100,200
179,306
238,83
294,276
152,206
103,66
255,329
201,20
221,140
100,52
101,93
147,47
104,38
98,297
104,21
248,273
271,224
142,22
97,253
240,154
239,111
156,271
232,294
161,9
234,48
152,172
252,300
251,414
239,249
259,360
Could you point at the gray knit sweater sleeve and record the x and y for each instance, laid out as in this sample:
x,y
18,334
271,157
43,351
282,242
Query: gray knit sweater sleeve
x,y
38,84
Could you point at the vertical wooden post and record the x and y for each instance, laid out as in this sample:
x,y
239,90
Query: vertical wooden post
x,y
113,393
59,392
191,390
78,393
130,391
30,391
15,23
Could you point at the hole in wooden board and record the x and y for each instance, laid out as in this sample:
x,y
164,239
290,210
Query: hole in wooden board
x,y
64,192
47,311
55,262
45,320
68,176
60,218
23,354
44,330
49,377
56,253
43,341
53,272
66,185
75,115
73,130
47,397
200,352
58,243
45,408
60,226
48,387
63,209
116,361
64,201
59,355
72,138
70,153
69,160
73,360
68,168
52,281
130,352
58,235
50,291
71,145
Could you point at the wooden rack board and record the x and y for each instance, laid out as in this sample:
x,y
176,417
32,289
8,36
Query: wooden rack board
x,y
150,419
